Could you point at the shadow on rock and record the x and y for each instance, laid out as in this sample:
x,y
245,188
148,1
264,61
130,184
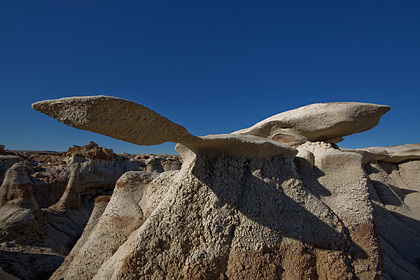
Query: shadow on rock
x,y
272,195
30,266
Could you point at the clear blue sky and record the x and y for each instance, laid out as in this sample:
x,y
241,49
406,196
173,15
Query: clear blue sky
x,y
211,66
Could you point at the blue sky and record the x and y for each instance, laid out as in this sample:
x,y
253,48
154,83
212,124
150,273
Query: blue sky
x,y
211,66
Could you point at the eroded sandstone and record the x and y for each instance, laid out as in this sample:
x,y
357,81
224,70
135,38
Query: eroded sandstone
x,y
245,205
327,122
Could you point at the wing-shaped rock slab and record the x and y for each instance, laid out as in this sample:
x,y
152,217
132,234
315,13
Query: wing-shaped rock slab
x,y
115,117
137,124
327,122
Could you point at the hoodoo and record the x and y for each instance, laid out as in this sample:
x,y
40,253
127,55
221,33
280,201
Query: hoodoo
x,y
275,201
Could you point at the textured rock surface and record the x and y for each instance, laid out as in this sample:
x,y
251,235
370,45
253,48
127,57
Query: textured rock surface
x,y
142,126
233,218
395,154
91,150
327,122
395,190
17,200
100,205
35,244
7,161
124,213
70,200
247,207
338,178
114,117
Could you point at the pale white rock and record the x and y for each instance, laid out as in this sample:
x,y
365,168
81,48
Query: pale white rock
x,y
248,146
369,154
16,191
236,218
125,212
394,190
396,153
327,122
135,123
114,117
238,208
304,158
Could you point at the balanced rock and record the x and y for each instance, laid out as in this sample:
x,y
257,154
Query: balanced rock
x,y
239,208
327,122
229,217
220,216
135,123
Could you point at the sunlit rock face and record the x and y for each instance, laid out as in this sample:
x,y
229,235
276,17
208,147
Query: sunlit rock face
x,y
246,205
327,122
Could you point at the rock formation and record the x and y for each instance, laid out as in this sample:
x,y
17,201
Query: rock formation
x,y
244,206
17,202
35,240
91,150
7,161
327,122
70,200
395,195
114,117
393,154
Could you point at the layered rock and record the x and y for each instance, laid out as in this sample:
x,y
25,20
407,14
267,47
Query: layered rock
x,y
35,244
70,200
327,122
395,194
16,195
125,212
237,209
114,117
339,180
229,217
91,150
19,213
7,161
393,154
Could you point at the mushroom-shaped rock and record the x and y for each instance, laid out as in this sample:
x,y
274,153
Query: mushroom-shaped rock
x,y
115,117
237,209
327,122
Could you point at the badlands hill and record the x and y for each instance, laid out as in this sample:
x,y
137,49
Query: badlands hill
x,y
279,200
46,199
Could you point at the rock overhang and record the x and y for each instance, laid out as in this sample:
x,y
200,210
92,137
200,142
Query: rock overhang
x,y
135,123
327,122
